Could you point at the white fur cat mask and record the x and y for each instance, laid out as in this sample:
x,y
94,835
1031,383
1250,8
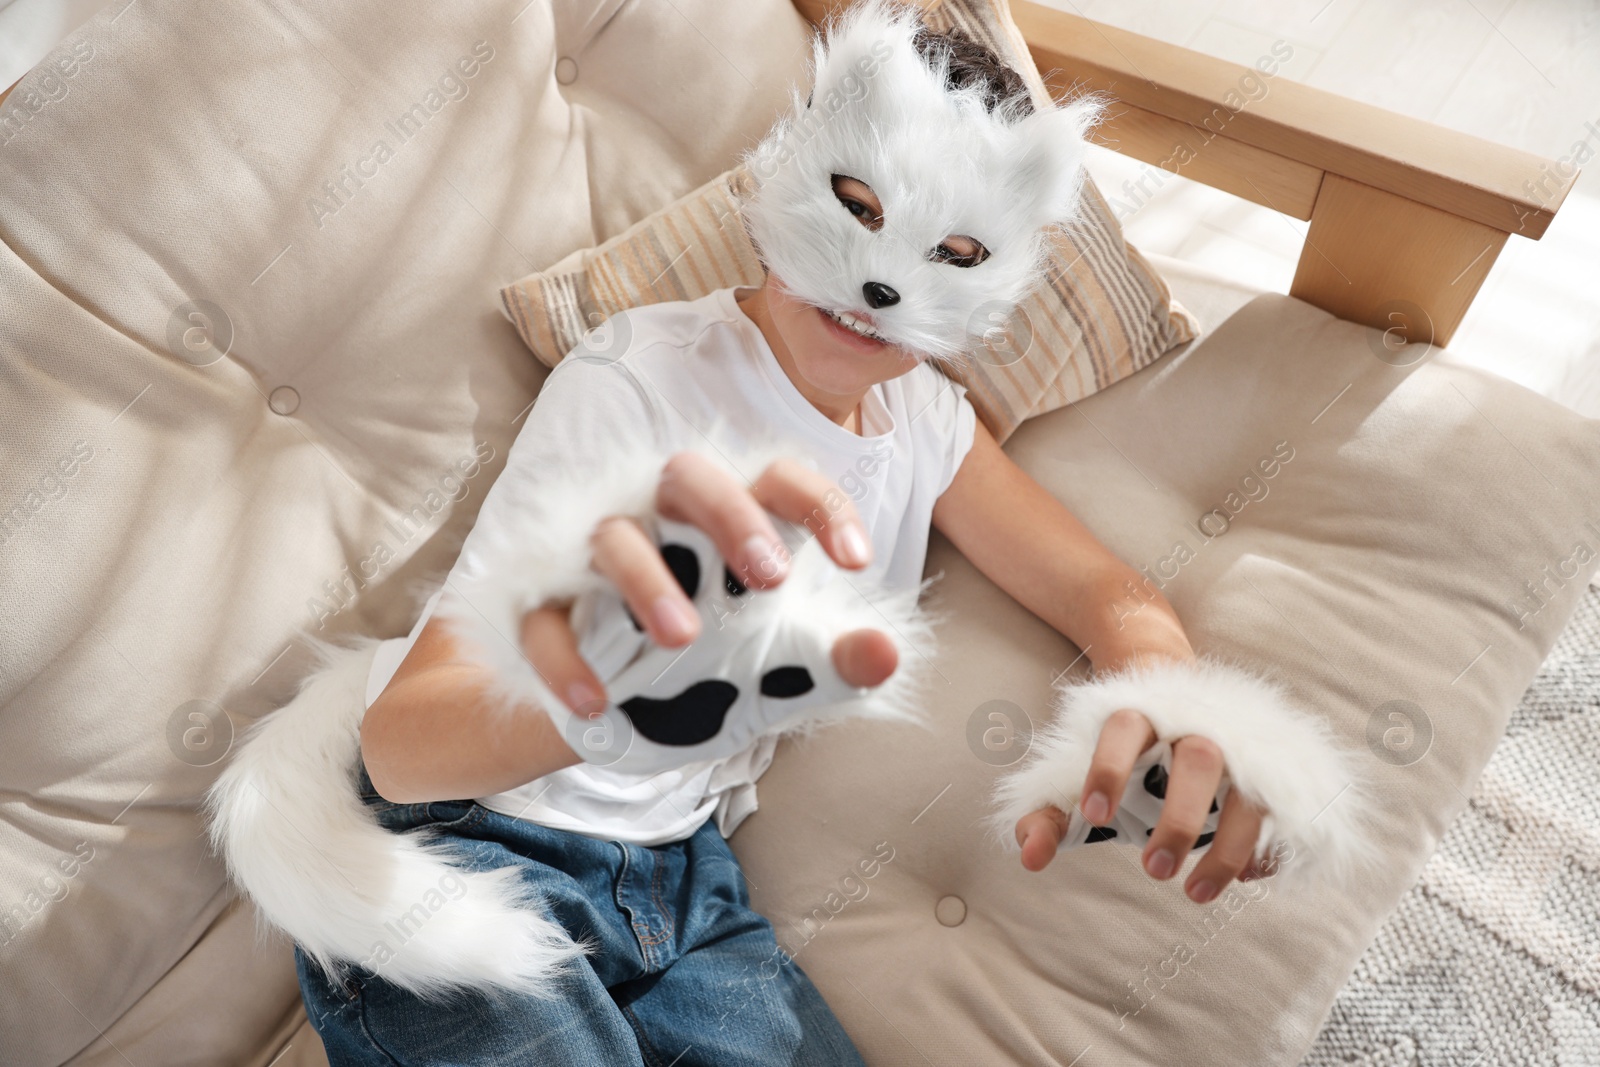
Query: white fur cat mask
x,y
941,163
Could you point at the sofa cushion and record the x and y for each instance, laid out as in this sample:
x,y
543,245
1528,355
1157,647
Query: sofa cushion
x,y
247,394
257,381
1379,572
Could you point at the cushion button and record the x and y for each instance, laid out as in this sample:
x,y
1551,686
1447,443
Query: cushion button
x,y
566,70
950,911
284,400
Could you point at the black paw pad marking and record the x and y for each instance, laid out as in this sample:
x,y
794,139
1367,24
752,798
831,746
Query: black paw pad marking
x,y
696,715
786,682
1200,842
1098,834
685,567
690,718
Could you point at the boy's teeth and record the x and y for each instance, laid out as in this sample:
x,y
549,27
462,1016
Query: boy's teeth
x,y
850,322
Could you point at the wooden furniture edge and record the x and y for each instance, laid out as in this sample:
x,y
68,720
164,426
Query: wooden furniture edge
x,y
1499,186
1406,216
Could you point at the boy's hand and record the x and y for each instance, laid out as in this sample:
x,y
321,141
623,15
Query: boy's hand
x,y
1197,768
696,491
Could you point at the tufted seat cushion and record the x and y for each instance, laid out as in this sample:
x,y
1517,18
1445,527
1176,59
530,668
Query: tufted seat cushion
x,y
256,379
1379,571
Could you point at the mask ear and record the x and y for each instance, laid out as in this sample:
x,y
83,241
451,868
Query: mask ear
x,y
1052,149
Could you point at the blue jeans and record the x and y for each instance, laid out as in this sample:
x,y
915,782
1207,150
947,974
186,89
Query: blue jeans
x,y
685,974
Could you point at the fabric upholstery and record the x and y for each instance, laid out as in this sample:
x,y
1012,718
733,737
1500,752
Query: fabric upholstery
x,y
173,514
1379,574
173,519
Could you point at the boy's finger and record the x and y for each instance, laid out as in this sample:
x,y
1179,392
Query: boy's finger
x,y
793,491
696,491
1039,833
1231,850
552,648
623,553
1125,735
865,657
1197,767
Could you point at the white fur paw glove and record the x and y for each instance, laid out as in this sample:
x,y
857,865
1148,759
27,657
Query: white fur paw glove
x,y
1279,757
762,663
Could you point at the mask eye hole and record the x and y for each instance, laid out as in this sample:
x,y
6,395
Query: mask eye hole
x,y
859,199
959,251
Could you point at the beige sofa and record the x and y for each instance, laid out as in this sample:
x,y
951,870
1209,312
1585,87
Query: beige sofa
x,y
178,505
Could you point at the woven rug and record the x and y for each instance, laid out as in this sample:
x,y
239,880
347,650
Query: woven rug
x,y
1494,956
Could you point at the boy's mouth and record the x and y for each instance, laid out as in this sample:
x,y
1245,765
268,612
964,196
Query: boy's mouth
x,y
854,324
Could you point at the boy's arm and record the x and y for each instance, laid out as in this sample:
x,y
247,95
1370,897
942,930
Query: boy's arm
x,y
1029,544
438,730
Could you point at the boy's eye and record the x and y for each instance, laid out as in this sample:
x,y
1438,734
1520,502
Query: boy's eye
x,y
959,252
859,199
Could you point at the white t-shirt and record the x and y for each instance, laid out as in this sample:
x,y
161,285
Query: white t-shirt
x,y
691,365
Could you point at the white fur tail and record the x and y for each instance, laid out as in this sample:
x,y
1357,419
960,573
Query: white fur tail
x,y
286,817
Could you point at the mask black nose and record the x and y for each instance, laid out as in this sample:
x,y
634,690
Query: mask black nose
x,y
879,295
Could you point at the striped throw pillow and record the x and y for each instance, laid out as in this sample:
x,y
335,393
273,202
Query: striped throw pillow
x,y
1101,313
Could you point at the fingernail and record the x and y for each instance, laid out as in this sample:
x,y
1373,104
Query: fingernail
x,y
853,545
1161,864
674,620
1202,892
1097,809
765,557
583,699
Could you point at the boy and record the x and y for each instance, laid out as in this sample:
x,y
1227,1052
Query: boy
x,y
905,199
